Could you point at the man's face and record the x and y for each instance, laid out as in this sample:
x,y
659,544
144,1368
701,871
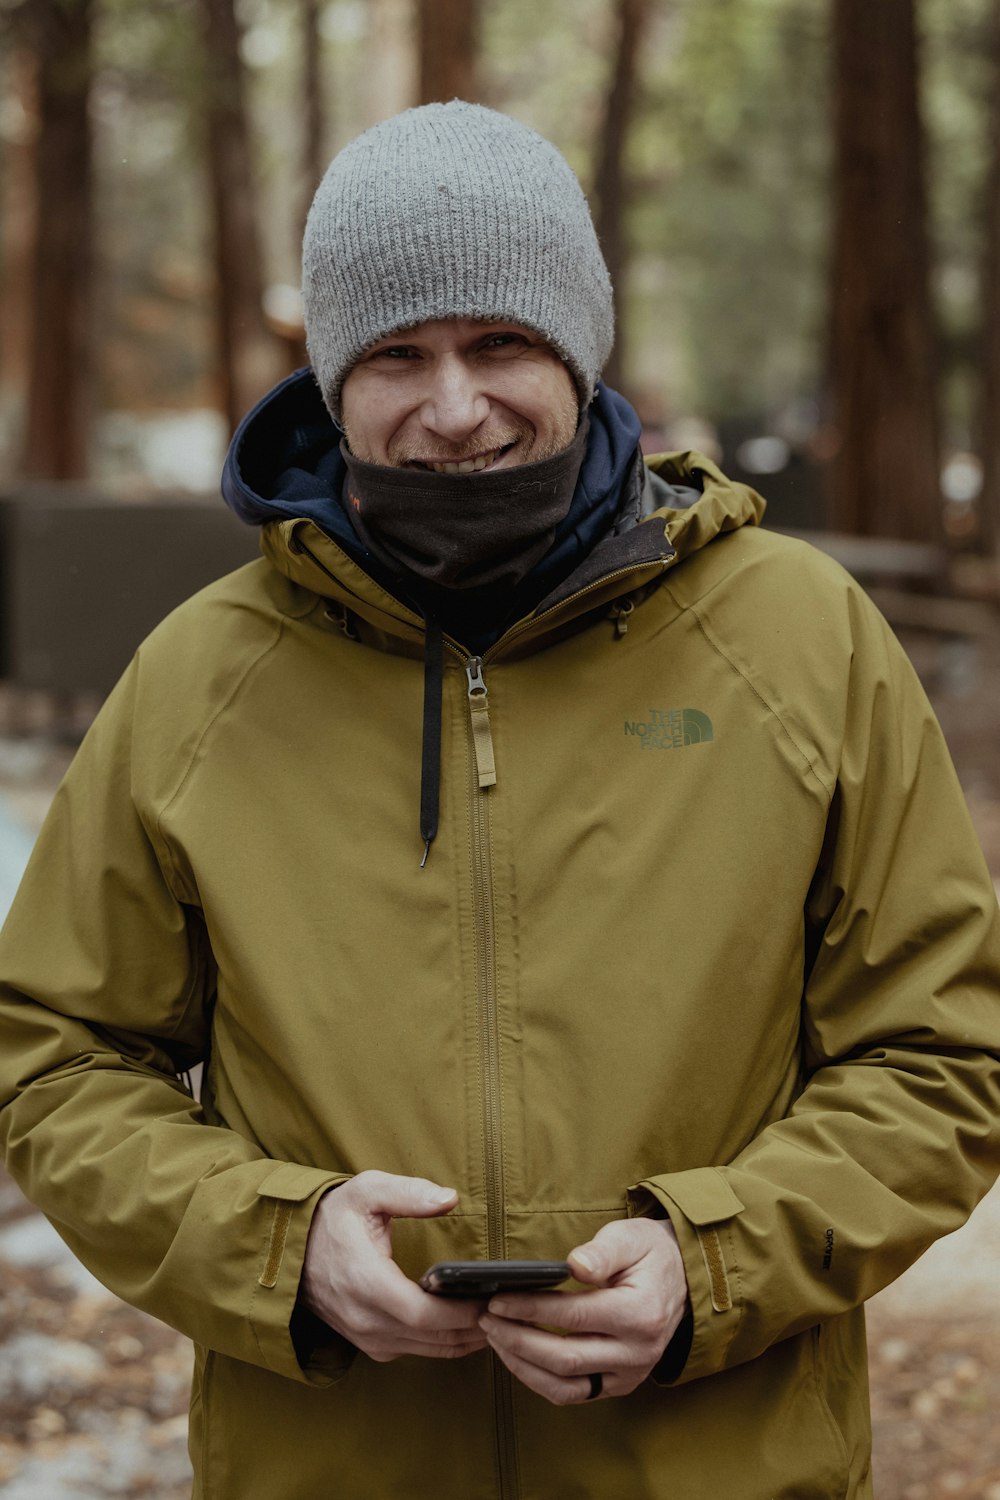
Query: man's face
x,y
457,396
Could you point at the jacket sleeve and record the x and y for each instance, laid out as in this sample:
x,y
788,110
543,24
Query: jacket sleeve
x,y
107,988
896,1131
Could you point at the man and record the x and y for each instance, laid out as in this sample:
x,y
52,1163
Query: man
x,y
543,860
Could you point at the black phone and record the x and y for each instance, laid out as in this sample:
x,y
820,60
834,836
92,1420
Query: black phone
x,y
482,1278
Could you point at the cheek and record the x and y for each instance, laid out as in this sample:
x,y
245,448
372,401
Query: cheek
x,y
565,414
370,422
548,400
563,401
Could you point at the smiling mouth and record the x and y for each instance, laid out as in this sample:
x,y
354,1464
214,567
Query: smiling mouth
x,y
471,465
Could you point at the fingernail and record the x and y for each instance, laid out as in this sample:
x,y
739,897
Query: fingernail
x,y
498,1306
584,1260
443,1195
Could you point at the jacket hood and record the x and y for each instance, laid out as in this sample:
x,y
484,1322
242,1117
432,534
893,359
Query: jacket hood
x,y
697,501
284,460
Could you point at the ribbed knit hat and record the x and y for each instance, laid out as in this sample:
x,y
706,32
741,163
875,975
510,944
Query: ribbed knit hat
x,y
452,211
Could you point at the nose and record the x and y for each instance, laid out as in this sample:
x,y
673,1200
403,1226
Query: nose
x,y
455,403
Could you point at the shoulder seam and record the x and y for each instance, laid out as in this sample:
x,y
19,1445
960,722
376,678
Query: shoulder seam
x,y
251,666
735,667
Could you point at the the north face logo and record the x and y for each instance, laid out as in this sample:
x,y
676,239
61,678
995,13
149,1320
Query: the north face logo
x,y
670,728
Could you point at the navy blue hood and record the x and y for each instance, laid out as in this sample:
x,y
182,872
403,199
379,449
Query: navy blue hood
x,y
284,462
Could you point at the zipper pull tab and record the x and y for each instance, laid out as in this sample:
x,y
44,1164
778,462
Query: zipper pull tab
x,y
482,740
620,612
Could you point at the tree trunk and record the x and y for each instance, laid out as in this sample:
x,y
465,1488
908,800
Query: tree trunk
x,y
17,221
248,356
390,82
314,115
60,370
611,188
989,419
885,476
448,38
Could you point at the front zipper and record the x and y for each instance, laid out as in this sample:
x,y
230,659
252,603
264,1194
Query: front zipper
x,y
482,777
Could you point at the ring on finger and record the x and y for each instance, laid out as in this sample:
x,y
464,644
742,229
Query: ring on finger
x,y
596,1386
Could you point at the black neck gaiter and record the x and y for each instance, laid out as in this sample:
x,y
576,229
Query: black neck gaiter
x,y
462,531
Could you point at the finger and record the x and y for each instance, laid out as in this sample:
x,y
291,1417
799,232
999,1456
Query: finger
x,y
566,1357
448,1323
384,1337
608,1311
553,1387
400,1197
376,1300
412,1308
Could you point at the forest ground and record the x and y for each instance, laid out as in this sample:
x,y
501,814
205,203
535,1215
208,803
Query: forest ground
x,y
93,1395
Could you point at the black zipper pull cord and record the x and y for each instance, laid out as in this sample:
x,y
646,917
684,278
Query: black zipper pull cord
x,y
430,754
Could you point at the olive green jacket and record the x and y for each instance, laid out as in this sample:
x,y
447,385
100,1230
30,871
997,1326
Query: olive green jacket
x,y
718,939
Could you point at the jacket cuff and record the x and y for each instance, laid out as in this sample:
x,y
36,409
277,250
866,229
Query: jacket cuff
x,y
674,1358
701,1206
301,1349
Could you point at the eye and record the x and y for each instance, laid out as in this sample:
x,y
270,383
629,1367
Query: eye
x,y
395,351
504,341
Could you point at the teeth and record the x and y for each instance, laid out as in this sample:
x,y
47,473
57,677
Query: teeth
x,y
468,465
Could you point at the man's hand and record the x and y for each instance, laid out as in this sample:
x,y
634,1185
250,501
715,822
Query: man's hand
x,y
618,1332
350,1280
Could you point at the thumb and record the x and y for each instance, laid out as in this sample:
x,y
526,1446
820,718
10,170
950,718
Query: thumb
x,y
587,1263
403,1197
612,1249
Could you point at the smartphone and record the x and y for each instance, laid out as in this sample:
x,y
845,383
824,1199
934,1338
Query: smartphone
x,y
481,1278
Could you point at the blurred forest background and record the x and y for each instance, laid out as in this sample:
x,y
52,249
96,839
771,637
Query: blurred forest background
x,y
799,201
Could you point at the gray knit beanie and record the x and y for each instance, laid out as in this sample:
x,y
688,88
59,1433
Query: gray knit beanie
x,y
452,211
